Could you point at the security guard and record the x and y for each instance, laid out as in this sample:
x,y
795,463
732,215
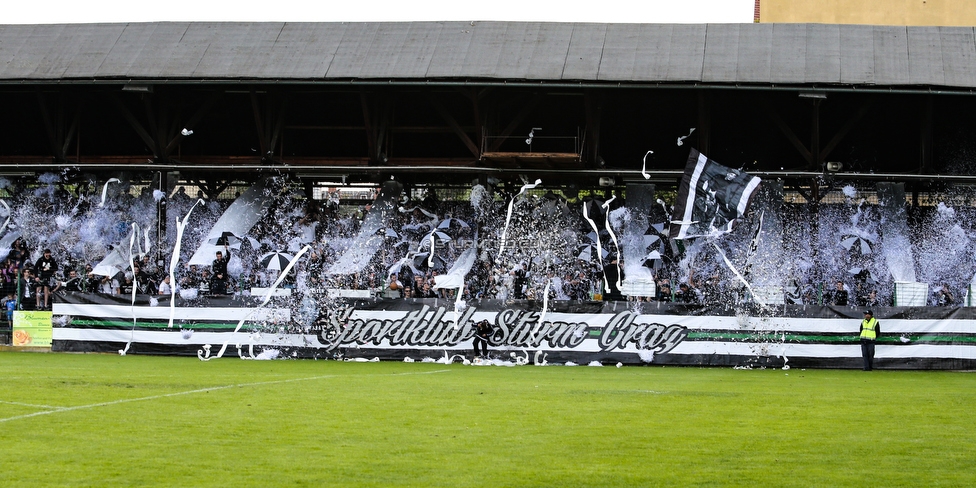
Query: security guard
x,y
870,330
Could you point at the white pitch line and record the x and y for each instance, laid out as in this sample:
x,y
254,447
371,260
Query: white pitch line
x,y
201,390
30,405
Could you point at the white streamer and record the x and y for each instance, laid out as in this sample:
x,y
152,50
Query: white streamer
x,y
545,309
599,250
267,298
644,167
425,212
105,189
511,205
145,241
135,285
459,304
9,215
606,208
536,360
175,259
739,276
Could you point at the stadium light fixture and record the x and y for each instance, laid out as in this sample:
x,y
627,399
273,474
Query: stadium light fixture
x,y
813,95
137,87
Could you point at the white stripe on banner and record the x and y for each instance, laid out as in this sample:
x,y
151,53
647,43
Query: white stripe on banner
x,y
173,337
771,349
883,351
186,314
594,320
692,194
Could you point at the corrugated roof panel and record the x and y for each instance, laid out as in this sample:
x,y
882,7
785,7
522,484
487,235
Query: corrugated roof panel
x,y
239,52
823,54
925,56
85,48
352,50
524,50
652,52
716,53
51,59
585,51
958,55
418,50
687,46
891,55
755,53
452,44
485,52
721,53
72,51
148,51
16,51
526,53
788,53
856,55
383,50
620,52
547,56
510,59
302,50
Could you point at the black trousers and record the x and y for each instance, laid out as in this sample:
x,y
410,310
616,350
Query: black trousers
x,y
480,341
867,352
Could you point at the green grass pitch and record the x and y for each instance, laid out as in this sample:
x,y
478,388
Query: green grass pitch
x,y
102,420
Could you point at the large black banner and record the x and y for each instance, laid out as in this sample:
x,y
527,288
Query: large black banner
x,y
578,332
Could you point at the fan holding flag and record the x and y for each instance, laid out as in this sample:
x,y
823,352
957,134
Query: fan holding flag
x,y
710,198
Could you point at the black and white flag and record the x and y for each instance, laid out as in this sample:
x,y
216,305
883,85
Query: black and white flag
x,y
710,198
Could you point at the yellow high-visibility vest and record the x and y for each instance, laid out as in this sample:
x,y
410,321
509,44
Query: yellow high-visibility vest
x,y
868,328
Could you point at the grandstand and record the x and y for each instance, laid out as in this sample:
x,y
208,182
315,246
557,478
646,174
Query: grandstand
x,y
827,115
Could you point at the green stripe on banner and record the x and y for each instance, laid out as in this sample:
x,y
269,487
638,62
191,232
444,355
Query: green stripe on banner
x,y
823,338
164,324
968,339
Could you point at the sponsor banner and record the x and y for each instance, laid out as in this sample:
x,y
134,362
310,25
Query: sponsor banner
x,y
632,333
32,328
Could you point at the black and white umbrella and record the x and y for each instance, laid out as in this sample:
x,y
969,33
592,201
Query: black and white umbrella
x,y
593,236
436,236
594,210
233,241
863,274
587,251
423,261
275,260
856,244
416,227
652,259
446,224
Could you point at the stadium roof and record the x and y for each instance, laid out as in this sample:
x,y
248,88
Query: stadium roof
x,y
844,56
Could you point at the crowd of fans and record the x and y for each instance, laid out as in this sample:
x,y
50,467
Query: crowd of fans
x,y
403,266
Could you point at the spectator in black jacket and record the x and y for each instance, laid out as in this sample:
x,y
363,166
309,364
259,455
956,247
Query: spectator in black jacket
x,y
46,266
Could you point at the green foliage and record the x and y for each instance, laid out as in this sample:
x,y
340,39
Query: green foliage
x,y
101,420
